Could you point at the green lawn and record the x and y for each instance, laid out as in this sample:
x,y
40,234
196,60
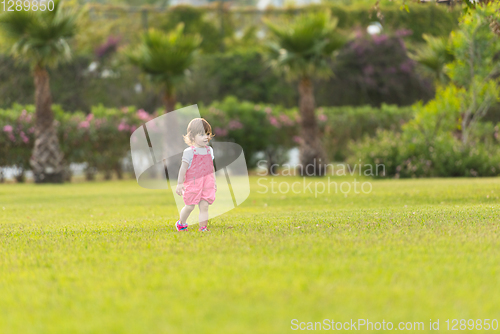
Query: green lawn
x,y
103,257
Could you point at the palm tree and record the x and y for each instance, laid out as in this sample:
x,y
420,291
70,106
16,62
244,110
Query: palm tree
x,y
40,38
302,48
435,56
165,57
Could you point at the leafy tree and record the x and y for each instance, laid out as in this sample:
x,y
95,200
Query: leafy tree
x,y
302,47
40,38
165,58
476,69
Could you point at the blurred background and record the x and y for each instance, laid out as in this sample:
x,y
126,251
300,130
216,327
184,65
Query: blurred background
x,y
378,82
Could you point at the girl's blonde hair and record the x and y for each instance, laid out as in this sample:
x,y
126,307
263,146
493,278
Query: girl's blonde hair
x,y
197,126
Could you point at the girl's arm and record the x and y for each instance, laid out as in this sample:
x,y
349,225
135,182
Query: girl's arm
x,y
180,181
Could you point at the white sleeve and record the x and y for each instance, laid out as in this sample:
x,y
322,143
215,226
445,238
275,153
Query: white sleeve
x,y
212,153
187,155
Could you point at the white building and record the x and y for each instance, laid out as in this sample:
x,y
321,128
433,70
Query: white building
x,y
188,2
262,4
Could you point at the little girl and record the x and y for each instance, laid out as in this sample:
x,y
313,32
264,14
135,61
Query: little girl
x,y
196,182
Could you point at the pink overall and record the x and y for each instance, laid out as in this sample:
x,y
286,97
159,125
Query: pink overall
x,y
200,182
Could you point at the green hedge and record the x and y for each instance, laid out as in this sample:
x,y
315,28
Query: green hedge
x,y
102,137
432,19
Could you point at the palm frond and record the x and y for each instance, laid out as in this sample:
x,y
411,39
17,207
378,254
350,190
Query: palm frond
x,y
40,37
301,47
435,56
165,56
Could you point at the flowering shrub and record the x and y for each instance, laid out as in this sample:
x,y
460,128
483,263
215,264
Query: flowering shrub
x,y
101,138
16,138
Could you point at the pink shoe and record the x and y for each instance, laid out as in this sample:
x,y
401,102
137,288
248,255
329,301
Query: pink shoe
x,y
204,229
180,226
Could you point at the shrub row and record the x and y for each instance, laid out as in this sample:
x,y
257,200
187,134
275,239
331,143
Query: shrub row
x,y
101,138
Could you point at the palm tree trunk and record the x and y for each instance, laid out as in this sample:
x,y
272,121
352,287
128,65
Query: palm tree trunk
x,y
169,100
46,160
312,157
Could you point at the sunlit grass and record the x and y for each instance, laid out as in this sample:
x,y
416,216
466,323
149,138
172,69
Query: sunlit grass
x,y
104,258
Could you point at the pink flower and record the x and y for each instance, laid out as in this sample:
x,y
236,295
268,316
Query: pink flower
x,y
143,115
84,125
99,122
234,124
297,139
7,128
90,117
123,127
322,117
23,137
133,128
23,116
285,119
268,110
31,130
220,132
11,137
274,122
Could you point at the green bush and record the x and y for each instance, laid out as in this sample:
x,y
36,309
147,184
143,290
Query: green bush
x,y
431,144
341,125
405,157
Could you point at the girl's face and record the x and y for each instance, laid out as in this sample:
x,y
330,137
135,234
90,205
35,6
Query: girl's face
x,y
201,140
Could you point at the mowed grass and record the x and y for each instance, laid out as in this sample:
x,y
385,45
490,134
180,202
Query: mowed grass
x,y
103,257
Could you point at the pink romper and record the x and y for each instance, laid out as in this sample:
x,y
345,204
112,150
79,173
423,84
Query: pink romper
x,y
200,182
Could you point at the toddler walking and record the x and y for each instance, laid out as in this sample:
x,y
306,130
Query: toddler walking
x,y
196,182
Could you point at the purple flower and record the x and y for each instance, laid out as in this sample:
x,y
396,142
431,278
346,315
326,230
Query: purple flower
x,y
368,70
7,128
391,70
110,46
406,67
403,32
378,39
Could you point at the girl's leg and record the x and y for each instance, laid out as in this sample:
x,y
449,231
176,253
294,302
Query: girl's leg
x,y
185,212
203,213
